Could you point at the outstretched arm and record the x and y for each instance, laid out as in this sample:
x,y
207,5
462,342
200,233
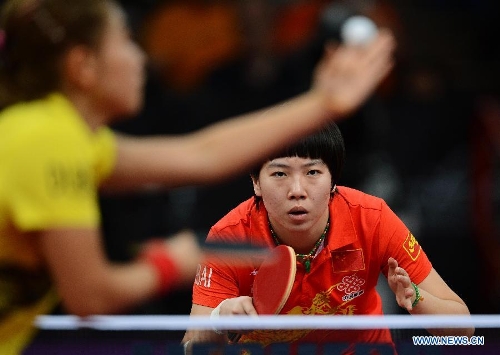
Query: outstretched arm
x,y
232,306
88,283
343,80
436,297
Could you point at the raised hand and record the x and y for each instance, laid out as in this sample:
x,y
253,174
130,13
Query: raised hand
x,y
347,75
400,284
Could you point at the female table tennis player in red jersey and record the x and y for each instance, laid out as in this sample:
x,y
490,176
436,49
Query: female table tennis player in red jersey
x,y
343,239
67,70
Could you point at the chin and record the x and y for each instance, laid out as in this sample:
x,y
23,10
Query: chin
x,y
302,226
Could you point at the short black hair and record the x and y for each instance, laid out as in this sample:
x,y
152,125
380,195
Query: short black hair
x,y
326,144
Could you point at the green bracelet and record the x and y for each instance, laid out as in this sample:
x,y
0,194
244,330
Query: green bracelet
x,y
417,296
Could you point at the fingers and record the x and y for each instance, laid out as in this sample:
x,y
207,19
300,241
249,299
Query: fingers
x,y
402,277
238,306
249,308
242,305
381,49
405,291
399,275
347,75
392,263
373,61
400,284
379,60
375,57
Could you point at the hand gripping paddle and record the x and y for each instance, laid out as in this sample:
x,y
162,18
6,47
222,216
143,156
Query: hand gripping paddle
x,y
273,283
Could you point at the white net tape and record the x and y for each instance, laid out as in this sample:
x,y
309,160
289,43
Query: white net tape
x,y
174,322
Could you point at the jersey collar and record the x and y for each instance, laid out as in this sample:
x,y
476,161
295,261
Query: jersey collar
x,y
342,231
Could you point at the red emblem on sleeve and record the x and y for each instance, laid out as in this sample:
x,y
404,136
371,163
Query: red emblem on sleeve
x,y
411,246
348,260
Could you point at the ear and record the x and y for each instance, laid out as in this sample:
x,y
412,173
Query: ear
x,y
256,186
80,67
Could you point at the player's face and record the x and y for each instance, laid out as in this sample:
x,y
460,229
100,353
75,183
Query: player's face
x,y
296,192
120,66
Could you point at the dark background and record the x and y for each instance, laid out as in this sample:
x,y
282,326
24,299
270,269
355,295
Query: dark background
x,y
427,142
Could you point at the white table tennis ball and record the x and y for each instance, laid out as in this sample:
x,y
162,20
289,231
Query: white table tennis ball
x,y
358,30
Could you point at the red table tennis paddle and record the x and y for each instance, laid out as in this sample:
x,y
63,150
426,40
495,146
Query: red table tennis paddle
x,y
273,283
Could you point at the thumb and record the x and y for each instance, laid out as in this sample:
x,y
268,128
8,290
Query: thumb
x,y
393,264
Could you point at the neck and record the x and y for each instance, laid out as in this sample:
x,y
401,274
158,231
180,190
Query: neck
x,y
92,116
306,258
301,242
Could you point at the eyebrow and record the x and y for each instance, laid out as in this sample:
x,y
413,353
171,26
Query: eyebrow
x,y
313,162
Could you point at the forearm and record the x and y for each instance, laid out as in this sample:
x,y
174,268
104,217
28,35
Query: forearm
x,y
162,265
436,297
115,289
203,335
233,146
218,151
430,304
343,79
87,282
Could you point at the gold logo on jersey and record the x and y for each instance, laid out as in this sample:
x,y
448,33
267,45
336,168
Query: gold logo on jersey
x,y
412,247
322,304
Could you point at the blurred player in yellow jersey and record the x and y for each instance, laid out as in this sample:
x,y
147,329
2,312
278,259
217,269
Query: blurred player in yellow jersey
x,y
67,70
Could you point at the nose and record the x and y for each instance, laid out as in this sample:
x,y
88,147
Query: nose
x,y
296,190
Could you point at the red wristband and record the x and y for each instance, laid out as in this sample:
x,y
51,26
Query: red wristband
x,y
156,254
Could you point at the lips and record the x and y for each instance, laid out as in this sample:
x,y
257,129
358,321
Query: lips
x,y
297,211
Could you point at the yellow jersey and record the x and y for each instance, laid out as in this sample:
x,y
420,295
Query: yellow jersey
x,y
51,164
